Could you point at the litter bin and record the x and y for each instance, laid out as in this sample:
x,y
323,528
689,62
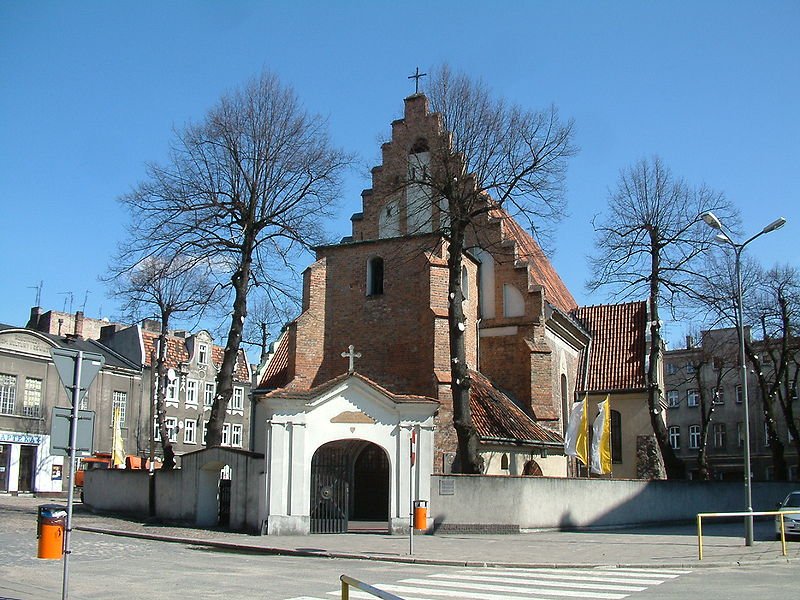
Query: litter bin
x,y
421,515
50,525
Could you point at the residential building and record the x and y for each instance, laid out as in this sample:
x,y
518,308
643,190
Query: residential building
x,y
705,373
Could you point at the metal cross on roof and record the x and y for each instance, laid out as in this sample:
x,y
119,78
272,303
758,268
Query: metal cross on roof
x,y
352,355
416,77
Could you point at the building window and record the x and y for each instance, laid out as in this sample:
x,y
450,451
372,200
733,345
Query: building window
x,y
740,434
237,401
203,427
189,431
673,399
675,437
120,401
202,354
616,437
719,435
172,429
226,434
690,369
692,398
738,394
375,276
236,435
191,392
32,402
208,397
718,394
156,432
694,437
504,462
464,282
8,393
672,368
172,392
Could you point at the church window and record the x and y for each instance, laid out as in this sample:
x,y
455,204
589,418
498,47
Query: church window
x,y
464,282
486,279
616,436
375,276
532,469
513,302
564,404
504,462
419,206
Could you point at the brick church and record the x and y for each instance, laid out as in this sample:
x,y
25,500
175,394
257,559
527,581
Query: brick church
x,y
360,380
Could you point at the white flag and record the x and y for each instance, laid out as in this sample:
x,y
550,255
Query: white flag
x,y
576,436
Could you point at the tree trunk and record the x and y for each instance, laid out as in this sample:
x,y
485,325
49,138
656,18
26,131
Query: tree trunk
x,y
469,458
241,283
161,396
672,464
702,451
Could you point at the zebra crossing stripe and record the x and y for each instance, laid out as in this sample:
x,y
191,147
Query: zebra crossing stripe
x,y
415,593
543,581
530,589
659,573
565,575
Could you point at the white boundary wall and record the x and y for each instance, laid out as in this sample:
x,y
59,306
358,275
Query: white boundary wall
x,y
503,502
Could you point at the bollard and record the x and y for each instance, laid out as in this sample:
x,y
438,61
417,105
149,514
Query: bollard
x,y
51,522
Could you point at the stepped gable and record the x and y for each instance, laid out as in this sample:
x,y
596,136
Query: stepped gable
x,y
617,354
177,353
540,269
497,418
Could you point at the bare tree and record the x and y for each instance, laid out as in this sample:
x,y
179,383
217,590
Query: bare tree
x,y
493,156
650,242
162,287
243,189
776,309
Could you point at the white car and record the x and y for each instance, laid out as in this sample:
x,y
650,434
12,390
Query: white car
x,y
791,523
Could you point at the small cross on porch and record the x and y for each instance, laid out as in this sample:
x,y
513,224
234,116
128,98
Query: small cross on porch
x,y
352,355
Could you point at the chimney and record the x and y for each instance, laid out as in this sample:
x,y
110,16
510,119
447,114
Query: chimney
x,y
689,342
33,322
79,324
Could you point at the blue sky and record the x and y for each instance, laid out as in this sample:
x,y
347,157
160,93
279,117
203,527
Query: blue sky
x,y
92,90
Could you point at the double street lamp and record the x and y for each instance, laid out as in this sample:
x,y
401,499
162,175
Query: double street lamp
x,y
712,221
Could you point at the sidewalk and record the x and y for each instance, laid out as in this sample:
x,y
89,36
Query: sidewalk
x,y
667,547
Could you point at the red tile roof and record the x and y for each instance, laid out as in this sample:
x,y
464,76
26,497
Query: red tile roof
x,y
277,372
497,418
616,354
177,353
310,394
541,269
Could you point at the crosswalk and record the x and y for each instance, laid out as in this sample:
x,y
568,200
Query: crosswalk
x,y
607,583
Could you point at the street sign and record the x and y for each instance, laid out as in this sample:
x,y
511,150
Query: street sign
x,y
65,365
59,432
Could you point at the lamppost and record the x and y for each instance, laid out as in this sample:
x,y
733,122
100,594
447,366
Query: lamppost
x,y
712,221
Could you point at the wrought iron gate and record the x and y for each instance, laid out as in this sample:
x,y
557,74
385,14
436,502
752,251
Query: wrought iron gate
x,y
330,489
224,503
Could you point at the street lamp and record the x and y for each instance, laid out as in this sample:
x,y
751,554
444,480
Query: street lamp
x,y
712,221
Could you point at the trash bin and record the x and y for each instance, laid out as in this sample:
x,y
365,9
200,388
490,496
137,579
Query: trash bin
x,y
421,515
50,525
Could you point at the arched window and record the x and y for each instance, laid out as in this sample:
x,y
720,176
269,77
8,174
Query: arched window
x,y
504,462
375,276
616,437
532,469
464,282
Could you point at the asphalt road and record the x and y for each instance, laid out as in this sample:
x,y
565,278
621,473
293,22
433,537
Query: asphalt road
x,y
105,566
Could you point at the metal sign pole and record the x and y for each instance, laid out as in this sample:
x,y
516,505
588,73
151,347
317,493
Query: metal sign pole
x,y
411,492
73,444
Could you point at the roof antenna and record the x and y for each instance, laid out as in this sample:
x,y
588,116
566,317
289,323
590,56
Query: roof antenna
x,y
38,289
85,300
67,296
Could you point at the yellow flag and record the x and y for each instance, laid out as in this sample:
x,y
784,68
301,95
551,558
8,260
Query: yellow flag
x,y
117,446
601,439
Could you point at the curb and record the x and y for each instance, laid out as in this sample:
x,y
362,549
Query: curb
x,y
275,551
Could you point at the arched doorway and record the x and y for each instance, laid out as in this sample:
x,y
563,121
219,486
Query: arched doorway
x,y
350,481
